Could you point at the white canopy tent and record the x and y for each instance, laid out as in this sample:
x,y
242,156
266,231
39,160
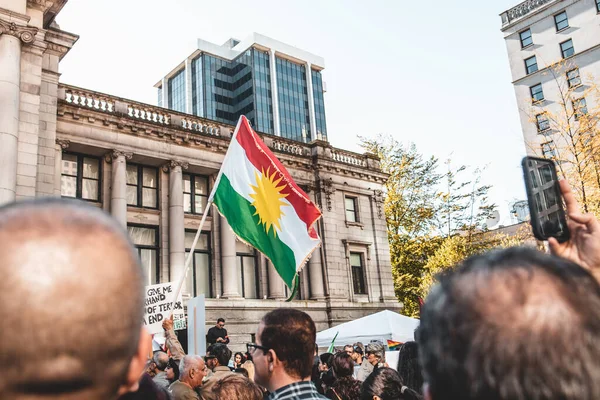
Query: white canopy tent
x,y
380,326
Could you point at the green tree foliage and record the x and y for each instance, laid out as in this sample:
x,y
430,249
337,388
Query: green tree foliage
x,y
410,210
433,218
454,249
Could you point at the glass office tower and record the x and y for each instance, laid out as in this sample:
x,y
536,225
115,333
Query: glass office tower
x,y
222,89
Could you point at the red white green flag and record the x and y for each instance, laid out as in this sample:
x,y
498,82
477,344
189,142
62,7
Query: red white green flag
x,y
264,206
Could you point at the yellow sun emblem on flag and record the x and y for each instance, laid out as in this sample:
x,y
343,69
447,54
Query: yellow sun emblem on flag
x,y
267,198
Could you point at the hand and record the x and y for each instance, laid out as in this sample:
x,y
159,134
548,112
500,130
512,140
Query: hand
x,y
583,247
168,324
220,340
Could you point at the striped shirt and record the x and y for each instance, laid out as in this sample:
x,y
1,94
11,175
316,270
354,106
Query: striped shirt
x,y
297,391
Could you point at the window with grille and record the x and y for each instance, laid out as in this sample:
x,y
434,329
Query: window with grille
x,y
195,193
531,65
526,39
580,108
543,124
537,94
358,273
199,278
351,204
80,177
573,78
145,240
142,186
567,49
548,150
561,21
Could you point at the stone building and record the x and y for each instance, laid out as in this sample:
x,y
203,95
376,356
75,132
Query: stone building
x,y
152,169
539,34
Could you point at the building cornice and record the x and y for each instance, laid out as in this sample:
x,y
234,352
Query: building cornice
x,y
156,123
527,8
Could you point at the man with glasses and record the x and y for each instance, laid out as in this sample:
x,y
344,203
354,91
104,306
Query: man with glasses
x,y
366,367
217,360
283,354
218,333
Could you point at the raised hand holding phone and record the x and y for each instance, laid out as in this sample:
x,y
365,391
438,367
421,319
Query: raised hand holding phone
x,y
548,218
583,247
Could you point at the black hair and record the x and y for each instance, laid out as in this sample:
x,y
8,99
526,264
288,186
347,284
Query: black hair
x,y
326,358
409,367
221,352
221,320
174,365
511,324
342,364
382,382
241,355
291,334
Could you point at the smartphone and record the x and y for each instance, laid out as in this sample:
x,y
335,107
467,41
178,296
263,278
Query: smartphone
x,y
548,217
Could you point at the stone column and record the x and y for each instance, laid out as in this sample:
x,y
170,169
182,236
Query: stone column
x,y
274,92
229,263
311,102
315,273
60,146
118,193
10,77
276,284
176,221
12,33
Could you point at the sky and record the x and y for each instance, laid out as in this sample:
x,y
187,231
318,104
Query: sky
x,y
434,73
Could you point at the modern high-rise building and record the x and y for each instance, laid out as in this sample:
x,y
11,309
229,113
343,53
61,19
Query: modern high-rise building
x,y
554,54
277,86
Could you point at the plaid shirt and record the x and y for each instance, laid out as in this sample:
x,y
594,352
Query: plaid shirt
x,y
297,391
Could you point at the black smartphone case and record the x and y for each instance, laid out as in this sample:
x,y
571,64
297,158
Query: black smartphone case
x,y
535,223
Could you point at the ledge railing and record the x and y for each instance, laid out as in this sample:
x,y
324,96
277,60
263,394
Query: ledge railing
x,y
132,109
521,10
117,106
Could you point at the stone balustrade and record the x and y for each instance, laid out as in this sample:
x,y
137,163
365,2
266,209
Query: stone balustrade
x,y
347,157
124,108
128,108
298,149
148,114
89,99
522,9
199,125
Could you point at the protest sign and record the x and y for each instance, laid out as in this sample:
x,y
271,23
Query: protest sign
x,y
157,306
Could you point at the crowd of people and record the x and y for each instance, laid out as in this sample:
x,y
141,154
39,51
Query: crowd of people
x,y
508,324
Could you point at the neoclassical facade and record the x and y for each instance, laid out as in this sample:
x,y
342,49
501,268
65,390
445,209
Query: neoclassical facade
x,y
153,168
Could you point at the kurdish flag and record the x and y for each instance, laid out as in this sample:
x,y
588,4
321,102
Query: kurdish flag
x,y
264,206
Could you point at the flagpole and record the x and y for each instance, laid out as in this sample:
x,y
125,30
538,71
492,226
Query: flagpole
x,y
209,203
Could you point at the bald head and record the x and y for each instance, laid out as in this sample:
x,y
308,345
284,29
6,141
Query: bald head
x,y
502,323
71,300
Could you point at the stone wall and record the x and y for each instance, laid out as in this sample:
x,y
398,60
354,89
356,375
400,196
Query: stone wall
x,y
42,119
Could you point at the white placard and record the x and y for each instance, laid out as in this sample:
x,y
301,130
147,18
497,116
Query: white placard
x,y
157,307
